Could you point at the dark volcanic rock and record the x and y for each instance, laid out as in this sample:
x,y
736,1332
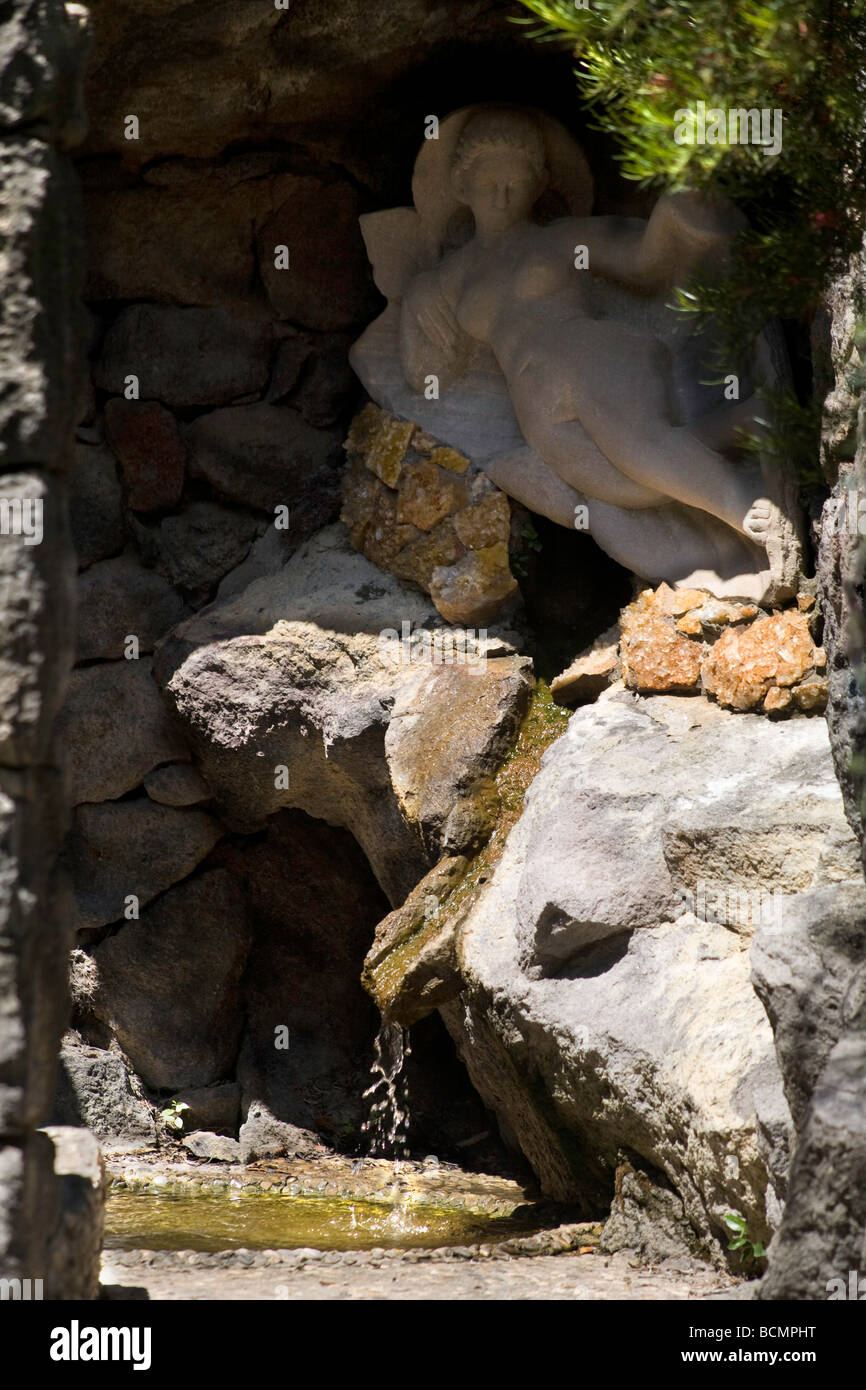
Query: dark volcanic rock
x,y
117,599
95,1089
263,456
168,986
185,357
95,505
146,439
132,848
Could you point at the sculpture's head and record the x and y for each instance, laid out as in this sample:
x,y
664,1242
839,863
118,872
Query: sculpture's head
x,y
499,169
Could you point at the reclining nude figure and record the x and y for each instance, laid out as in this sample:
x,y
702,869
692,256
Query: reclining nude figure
x,y
590,377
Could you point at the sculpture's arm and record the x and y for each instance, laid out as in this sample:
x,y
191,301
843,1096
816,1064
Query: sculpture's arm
x,y
432,342
684,231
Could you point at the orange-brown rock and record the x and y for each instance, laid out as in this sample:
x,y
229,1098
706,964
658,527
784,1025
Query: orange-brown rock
x,y
657,657
775,653
417,561
485,523
427,493
473,590
370,515
420,510
449,458
381,440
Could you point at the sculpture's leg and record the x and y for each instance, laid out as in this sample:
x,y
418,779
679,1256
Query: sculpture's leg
x,y
579,462
676,544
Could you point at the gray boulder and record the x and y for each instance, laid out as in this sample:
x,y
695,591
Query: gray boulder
x,y
185,357
808,970
95,505
291,698
264,456
168,985
117,599
219,1148
263,1136
127,849
196,546
95,1089
114,728
820,1243
607,1006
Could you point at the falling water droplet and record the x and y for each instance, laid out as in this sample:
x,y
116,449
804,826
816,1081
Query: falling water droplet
x,y
387,1125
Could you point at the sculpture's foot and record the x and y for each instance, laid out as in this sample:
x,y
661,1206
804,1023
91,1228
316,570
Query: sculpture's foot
x,y
769,525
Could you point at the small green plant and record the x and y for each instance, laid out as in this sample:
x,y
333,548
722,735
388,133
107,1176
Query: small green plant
x,y
172,1115
530,543
750,1251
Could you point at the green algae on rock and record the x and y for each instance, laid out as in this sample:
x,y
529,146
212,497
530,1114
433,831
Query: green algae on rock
x,y
412,967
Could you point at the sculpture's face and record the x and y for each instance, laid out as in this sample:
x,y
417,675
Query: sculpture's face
x,y
501,187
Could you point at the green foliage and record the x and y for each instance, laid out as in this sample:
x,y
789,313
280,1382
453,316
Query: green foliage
x,y
172,1115
530,541
750,1250
641,62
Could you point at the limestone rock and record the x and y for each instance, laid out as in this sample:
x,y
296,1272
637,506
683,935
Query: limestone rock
x,y
95,1089
129,848
774,652
304,672
196,546
590,673
95,505
813,983
445,741
176,784
263,1136
821,1237
476,587
185,357
601,993
168,985
115,727
802,967
220,1148
263,456
146,440
412,965
119,598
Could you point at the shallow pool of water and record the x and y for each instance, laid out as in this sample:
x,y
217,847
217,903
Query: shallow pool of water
x,y
253,1221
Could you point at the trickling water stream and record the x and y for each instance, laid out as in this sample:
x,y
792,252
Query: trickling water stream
x,y
387,1126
